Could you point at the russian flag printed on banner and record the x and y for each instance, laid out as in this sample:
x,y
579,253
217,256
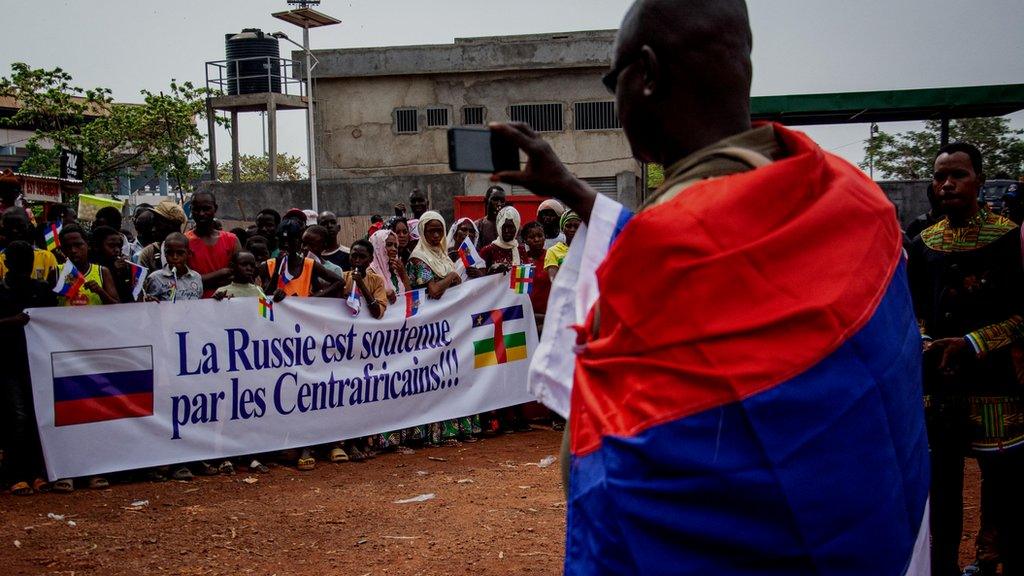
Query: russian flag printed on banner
x,y
754,406
100,385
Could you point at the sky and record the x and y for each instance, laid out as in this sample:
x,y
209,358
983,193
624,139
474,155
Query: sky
x,y
800,46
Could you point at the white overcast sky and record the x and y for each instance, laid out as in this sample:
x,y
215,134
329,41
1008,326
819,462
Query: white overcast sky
x,y
800,46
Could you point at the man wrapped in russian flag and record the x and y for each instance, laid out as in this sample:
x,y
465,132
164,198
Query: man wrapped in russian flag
x,y
746,388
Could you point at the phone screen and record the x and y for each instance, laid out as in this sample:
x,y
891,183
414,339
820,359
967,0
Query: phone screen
x,y
480,150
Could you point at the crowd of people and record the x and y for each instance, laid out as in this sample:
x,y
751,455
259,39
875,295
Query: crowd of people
x,y
165,256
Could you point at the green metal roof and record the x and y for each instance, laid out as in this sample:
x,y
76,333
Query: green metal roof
x,y
890,105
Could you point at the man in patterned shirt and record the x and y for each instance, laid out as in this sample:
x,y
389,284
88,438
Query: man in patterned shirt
x,y
966,280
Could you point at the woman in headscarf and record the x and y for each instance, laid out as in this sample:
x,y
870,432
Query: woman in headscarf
x,y
387,264
463,228
431,268
429,265
505,251
458,232
569,223
400,226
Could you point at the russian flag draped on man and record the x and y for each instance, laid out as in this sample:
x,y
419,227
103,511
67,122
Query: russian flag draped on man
x,y
750,399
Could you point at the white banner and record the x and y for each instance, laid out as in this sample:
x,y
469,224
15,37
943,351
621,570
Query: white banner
x,y
137,385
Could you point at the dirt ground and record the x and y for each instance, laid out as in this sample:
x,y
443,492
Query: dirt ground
x,y
495,511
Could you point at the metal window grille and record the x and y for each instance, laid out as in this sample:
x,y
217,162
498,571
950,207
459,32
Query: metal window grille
x,y
595,116
473,116
540,117
437,117
407,121
607,185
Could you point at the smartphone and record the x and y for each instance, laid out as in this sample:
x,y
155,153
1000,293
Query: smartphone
x,y
480,150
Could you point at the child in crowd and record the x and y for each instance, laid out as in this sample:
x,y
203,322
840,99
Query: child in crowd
x,y
18,291
99,287
260,248
175,281
243,274
293,274
107,251
15,225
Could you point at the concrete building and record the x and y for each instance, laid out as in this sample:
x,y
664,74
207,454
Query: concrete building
x,y
384,112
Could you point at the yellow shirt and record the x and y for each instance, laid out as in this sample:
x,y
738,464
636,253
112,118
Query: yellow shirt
x,y
43,264
555,255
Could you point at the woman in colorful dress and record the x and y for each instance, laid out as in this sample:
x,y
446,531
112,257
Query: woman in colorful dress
x,y
432,269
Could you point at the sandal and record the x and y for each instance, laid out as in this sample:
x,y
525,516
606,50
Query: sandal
x,y
226,467
21,489
41,485
338,454
64,486
306,461
558,426
356,455
155,475
183,474
206,469
257,466
469,439
98,483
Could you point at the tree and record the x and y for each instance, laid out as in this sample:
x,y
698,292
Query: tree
x,y
255,168
911,155
161,133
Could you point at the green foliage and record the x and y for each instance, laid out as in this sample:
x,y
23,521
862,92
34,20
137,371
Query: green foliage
x,y
911,155
655,175
255,168
161,133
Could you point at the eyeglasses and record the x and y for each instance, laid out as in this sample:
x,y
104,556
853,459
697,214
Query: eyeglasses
x,y
611,78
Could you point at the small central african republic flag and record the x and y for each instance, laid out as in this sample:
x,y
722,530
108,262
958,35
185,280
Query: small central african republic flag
x,y
53,235
266,308
502,348
522,279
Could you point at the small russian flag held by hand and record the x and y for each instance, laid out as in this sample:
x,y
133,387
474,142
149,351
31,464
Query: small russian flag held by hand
x,y
283,276
53,235
412,302
139,274
354,300
521,279
468,255
70,281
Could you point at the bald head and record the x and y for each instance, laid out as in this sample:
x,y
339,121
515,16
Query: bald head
x,y
683,75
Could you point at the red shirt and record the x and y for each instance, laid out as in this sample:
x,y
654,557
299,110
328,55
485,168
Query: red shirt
x,y
204,258
541,283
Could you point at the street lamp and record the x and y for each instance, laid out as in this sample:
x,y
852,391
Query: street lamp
x,y
307,18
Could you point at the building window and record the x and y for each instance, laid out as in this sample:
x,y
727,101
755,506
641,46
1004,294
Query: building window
x,y
473,116
595,116
437,117
540,117
407,121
